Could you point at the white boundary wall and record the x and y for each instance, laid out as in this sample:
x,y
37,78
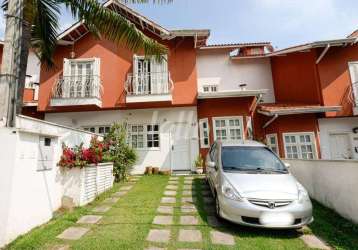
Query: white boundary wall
x,y
334,183
28,196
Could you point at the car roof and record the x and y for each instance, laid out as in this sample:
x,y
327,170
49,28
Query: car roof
x,y
242,143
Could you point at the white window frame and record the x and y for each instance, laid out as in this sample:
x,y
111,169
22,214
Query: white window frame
x,y
270,145
96,128
201,132
353,84
298,144
145,134
212,88
226,118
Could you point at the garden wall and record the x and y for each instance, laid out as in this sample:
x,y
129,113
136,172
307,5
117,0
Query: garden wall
x,y
31,184
334,183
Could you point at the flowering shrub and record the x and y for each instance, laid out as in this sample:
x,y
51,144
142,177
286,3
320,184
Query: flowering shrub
x,y
80,156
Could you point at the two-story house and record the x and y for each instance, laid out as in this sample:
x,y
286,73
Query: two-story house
x,y
95,83
315,113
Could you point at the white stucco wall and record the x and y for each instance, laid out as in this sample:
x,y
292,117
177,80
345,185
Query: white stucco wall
x,y
216,67
165,117
332,183
337,125
33,67
29,196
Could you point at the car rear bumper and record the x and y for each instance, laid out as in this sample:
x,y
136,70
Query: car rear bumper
x,y
248,214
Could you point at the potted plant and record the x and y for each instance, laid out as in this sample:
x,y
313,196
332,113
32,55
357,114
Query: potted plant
x,y
199,163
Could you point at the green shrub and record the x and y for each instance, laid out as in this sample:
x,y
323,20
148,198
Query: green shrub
x,y
122,155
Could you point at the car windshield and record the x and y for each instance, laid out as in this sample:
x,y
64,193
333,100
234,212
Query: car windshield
x,y
257,159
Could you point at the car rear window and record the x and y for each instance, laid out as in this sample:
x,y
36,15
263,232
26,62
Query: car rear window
x,y
243,158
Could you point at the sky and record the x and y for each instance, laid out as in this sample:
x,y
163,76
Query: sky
x,y
281,22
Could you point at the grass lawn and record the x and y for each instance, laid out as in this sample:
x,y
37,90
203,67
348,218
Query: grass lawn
x,y
127,224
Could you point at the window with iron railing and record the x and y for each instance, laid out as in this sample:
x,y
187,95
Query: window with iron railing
x,y
81,79
149,77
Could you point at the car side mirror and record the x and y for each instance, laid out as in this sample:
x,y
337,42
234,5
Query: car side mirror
x,y
287,165
211,164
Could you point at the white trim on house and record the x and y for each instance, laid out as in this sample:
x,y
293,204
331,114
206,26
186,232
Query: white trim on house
x,y
271,145
231,93
149,98
354,83
298,144
201,132
227,128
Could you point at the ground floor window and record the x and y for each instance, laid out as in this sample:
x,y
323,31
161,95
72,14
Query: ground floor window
x,y
98,129
228,128
204,133
300,145
271,141
143,136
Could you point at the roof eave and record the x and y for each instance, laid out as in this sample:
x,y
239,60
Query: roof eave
x,y
301,111
231,94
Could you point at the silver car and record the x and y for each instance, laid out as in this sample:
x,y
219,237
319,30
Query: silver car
x,y
253,187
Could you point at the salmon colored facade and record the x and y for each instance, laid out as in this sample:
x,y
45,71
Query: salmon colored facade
x,y
116,62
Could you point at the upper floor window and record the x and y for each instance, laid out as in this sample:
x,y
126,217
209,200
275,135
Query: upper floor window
x,y
81,77
228,128
272,143
150,76
204,133
300,145
210,88
353,70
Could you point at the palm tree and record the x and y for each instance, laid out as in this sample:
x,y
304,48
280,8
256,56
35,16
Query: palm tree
x,y
34,24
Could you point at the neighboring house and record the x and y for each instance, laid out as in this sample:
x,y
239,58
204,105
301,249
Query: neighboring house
x,y
95,83
315,114
231,81
31,90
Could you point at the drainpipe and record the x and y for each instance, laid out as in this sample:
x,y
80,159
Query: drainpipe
x,y
270,121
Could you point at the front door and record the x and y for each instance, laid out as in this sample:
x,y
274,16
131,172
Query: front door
x,y
340,146
180,147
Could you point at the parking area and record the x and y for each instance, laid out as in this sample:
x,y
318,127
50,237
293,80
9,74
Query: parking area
x,y
161,212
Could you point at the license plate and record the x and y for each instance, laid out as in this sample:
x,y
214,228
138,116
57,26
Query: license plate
x,y
276,219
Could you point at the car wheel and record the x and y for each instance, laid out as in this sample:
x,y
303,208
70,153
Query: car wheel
x,y
217,206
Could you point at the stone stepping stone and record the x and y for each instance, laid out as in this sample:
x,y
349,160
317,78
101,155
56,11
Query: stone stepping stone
x,y
155,248
174,178
111,200
101,209
221,238
119,194
313,242
189,220
73,233
188,209
170,193
187,187
188,200
188,249
188,182
189,193
165,210
171,187
89,219
190,235
208,200
213,221
173,182
125,188
163,220
210,209
170,200
159,235
189,177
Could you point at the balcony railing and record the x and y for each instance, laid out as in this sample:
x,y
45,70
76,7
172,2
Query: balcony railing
x,y
77,90
152,83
